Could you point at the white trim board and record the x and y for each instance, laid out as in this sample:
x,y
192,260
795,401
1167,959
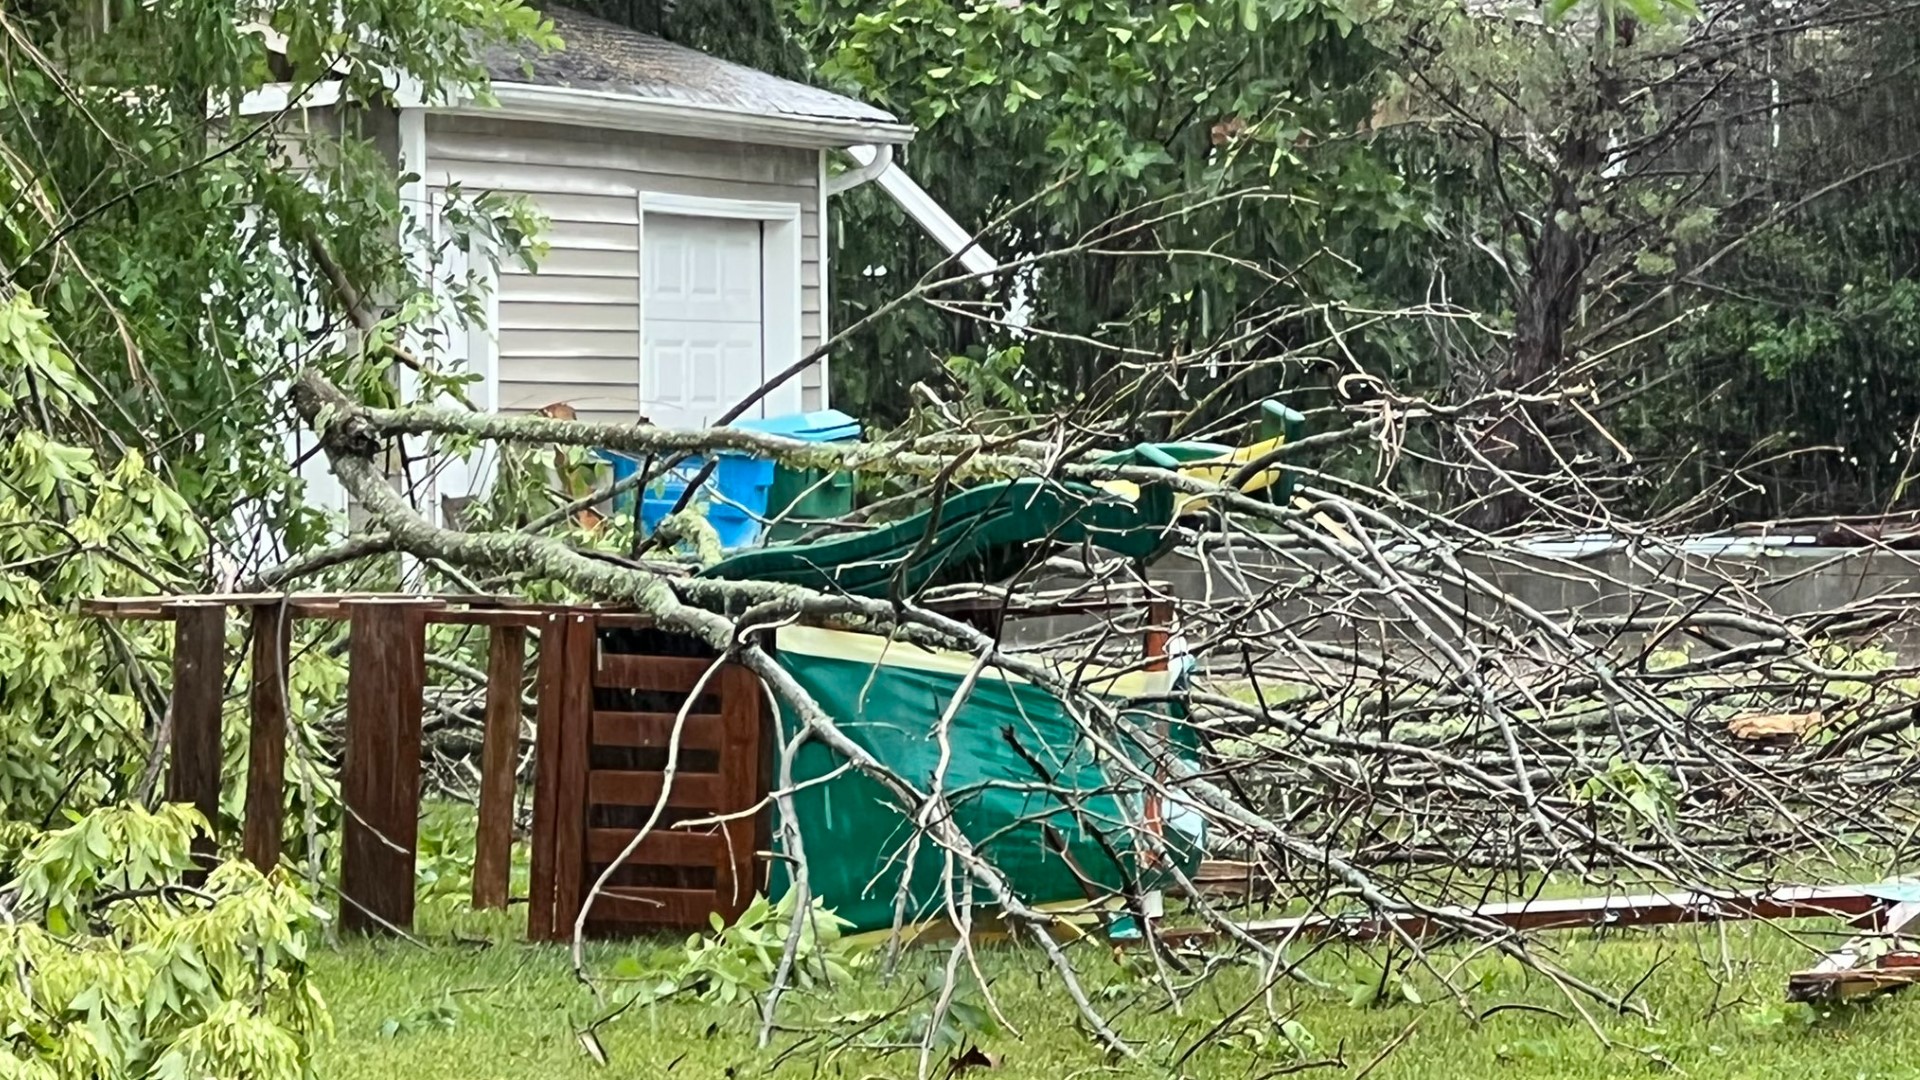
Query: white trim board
x,y
825,255
781,252
666,202
609,111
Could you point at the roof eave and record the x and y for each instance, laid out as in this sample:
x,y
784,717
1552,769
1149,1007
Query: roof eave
x,y
608,110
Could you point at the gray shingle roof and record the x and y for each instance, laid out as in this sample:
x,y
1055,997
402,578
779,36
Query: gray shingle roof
x,y
608,57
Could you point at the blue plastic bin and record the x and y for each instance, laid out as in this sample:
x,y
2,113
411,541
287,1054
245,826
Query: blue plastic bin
x,y
737,493
827,425
735,496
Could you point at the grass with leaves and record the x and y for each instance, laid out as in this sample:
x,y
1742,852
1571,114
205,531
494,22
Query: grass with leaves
x,y
476,1003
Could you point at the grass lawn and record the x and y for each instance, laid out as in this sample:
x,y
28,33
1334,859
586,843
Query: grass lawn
x,y
478,1004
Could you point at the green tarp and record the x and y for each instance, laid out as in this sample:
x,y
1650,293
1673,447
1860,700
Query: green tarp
x,y
1008,733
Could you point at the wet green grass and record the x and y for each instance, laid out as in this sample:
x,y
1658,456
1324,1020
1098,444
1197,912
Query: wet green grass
x,y
476,1004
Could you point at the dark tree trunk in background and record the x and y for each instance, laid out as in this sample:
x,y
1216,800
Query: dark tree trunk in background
x,y
1559,254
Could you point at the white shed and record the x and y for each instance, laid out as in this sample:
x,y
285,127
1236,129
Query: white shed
x,y
687,259
687,197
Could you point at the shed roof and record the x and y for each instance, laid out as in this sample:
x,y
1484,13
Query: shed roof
x,y
609,58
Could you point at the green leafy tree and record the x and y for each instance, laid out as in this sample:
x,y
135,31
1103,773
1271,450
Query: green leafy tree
x,y
1171,181
73,525
1635,194
168,259
116,969
182,245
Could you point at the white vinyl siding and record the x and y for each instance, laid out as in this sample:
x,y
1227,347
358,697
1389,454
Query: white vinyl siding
x,y
571,332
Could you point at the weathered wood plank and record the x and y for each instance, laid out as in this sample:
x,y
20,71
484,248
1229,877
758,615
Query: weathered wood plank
x,y
199,685
673,674
677,908
267,740
656,730
735,880
499,761
380,773
551,679
617,787
1865,966
662,847
570,823
1638,909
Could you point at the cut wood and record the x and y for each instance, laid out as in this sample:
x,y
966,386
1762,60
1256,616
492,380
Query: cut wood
x,y
1783,727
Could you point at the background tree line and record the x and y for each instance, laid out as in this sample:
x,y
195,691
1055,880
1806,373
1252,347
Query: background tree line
x,y
1697,223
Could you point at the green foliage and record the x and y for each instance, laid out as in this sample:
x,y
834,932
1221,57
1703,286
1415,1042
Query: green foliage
x,y
736,962
74,524
1267,1038
1810,364
964,1024
1644,796
166,235
117,970
66,870
1235,122
1382,986
163,258
998,381
442,1014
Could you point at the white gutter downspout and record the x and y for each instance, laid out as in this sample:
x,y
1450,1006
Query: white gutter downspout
x,y
876,164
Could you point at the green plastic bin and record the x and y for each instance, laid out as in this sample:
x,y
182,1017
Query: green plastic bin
x,y
800,498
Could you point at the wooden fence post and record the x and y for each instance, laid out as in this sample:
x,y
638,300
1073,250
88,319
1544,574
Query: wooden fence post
x,y
380,774
199,685
570,816
550,681
267,741
499,761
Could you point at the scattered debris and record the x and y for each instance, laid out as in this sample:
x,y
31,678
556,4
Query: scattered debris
x,y
1639,909
1230,877
1867,965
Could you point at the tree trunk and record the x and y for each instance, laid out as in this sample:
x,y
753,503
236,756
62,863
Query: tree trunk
x,y
1545,307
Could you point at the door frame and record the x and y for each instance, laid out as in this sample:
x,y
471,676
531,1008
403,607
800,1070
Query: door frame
x,y
780,278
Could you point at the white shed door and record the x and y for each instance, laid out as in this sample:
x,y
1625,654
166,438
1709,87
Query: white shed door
x,y
703,334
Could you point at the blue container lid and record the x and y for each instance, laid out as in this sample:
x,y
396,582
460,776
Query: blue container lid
x,y
825,425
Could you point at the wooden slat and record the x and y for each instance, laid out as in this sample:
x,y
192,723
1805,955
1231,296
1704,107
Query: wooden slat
x,y
740,705
380,774
570,823
473,608
193,776
662,847
655,730
673,674
499,761
678,908
550,682
503,617
613,787
267,741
